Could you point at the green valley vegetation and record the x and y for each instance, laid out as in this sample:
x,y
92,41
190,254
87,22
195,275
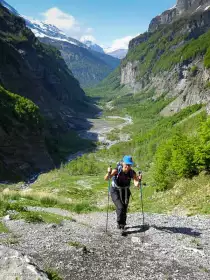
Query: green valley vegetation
x,y
169,150
23,110
20,116
172,152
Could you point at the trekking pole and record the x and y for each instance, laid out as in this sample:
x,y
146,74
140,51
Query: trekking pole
x,y
141,191
107,214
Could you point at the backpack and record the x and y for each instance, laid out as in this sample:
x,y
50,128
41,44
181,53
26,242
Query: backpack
x,y
119,168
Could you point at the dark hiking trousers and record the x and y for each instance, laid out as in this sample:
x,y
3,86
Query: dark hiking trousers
x,y
121,206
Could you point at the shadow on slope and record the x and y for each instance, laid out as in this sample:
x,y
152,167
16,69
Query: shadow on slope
x,y
182,230
144,228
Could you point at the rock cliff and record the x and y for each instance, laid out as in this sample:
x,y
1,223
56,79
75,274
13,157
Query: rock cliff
x,y
182,7
174,58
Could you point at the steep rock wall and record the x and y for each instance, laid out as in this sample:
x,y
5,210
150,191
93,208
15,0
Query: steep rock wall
x,y
180,84
181,8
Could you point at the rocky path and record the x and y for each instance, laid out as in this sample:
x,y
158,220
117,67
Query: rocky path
x,y
171,247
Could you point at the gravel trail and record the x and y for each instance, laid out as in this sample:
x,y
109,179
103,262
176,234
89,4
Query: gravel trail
x,y
171,247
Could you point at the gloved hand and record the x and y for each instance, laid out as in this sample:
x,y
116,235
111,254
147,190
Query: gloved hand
x,y
109,170
140,177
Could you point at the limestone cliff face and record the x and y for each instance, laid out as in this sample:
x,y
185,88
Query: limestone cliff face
x,y
181,8
165,18
185,87
188,80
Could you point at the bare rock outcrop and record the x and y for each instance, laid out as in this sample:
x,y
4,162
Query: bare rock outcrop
x,y
15,265
181,8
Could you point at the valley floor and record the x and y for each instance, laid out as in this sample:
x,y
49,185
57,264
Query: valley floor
x,y
172,247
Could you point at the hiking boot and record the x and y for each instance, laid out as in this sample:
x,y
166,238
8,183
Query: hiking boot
x,y
120,226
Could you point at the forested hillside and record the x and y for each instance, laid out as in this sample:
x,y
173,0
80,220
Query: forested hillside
x,y
88,66
38,73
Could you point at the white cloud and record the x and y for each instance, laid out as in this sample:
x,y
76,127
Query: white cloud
x,y
88,38
121,43
66,23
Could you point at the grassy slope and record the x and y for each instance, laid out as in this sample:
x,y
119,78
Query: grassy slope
x,y
79,185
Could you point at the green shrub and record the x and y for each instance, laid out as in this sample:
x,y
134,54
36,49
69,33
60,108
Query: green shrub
x,y
202,150
48,201
174,160
52,274
14,206
194,70
84,207
3,228
15,106
33,217
76,244
207,85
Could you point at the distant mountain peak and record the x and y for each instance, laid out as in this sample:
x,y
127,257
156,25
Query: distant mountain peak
x,y
118,53
93,46
87,61
42,29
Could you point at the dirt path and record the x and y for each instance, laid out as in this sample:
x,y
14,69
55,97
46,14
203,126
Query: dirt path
x,y
171,247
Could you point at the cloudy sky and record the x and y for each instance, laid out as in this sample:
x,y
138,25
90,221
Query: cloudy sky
x,y
109,23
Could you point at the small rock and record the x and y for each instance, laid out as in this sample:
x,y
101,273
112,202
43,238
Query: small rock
x,y
12,212
6,218
52,226
62,223
135,239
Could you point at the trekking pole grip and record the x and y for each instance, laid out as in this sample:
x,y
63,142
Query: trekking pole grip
x,y
109,173
140,178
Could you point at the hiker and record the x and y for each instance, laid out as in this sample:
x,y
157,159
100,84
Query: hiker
x,y
120,188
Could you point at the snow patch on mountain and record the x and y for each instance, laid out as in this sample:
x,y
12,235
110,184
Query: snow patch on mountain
x,y
121,53
116,52
44,30
93,46
41,30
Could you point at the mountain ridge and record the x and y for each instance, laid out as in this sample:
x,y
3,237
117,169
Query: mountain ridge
x,y
172,59
83,60
181,8
87,65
